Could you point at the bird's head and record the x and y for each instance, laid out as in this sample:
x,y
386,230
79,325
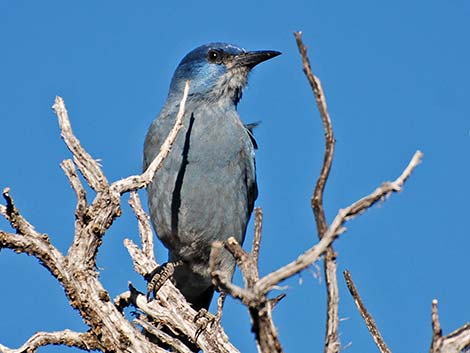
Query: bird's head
x,y
217,71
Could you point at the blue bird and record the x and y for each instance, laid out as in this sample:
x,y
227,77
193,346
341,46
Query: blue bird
x,y
206,188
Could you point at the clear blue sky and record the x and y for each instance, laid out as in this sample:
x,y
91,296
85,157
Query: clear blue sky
x,y
396,76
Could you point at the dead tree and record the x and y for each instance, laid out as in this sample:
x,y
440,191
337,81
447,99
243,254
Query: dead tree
x,y
169,321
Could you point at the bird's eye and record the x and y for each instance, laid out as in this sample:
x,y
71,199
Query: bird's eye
x,y
214,56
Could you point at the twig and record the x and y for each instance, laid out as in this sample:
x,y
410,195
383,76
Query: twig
x,y
235,291
257,236
89,167
140,181
436,341
244,261
368,319
175,343
311,255
142,264
145,231
69,338
457,341
331,336
69,169
317,197
17,221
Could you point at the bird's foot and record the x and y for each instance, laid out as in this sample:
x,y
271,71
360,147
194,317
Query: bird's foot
x,y
157,278
203,319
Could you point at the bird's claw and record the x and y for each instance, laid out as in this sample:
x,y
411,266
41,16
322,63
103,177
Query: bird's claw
x,y
203,319
157,278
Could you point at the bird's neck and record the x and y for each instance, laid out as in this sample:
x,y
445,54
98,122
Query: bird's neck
x,y
224,103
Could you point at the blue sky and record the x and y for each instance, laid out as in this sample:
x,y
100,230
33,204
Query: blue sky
x,y
396,77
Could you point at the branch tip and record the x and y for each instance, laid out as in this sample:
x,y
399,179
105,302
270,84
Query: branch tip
x,y
368,319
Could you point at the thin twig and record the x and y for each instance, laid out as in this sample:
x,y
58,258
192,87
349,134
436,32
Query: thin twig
x,y
140,181
145,230
368,319
331,335
436,341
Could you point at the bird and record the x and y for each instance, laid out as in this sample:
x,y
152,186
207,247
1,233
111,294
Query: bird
x,y
206,188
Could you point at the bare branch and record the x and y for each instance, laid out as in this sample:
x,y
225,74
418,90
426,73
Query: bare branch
x,y
244,260
69,169
311,255
17,221
259,307
83,288
457,341
384,190
140,181
85,341
235,291
145,230
368,319
142,264
222,282
436,342
89,167
172,310
175,343
317,197
37,246
257,237
28,240
123,300
332,344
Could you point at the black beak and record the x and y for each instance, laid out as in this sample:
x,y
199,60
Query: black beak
x,y
252,58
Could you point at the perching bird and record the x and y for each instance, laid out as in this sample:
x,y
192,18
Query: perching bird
x,y
206,188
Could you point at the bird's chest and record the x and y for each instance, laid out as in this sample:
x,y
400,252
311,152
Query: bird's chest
x,y
211,140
